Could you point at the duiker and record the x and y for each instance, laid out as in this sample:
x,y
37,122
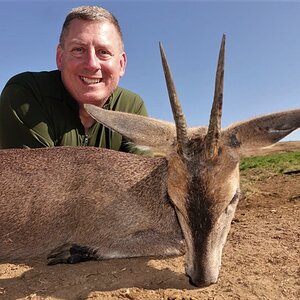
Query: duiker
x,y
76,204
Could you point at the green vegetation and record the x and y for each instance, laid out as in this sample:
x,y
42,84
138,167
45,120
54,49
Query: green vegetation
x,y
275,163
261,168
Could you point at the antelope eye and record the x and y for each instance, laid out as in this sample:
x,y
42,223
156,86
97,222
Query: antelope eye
x,y
235,197
233,201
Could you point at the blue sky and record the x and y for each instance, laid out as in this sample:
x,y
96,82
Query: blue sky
x,y
262,69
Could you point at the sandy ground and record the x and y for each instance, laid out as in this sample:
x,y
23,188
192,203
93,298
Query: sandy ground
x,y
261,258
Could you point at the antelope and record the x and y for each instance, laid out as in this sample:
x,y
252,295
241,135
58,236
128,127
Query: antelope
x,y
75,204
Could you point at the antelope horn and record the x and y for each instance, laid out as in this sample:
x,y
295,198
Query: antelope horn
x,y
214,129
181,127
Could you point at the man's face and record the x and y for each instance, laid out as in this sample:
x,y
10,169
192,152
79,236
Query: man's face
x,y
91,60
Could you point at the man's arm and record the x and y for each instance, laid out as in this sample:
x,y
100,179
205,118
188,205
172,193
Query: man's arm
x,y
22,120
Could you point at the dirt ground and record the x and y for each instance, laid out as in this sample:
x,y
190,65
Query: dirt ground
x,y
261,258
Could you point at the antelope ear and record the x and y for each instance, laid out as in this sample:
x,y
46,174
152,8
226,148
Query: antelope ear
x,y
141,130
262,131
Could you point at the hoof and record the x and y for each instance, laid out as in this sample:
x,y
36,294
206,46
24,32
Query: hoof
x,y
70,254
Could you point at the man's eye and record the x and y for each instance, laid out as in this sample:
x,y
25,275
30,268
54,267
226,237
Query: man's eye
x,y
77,51
103,53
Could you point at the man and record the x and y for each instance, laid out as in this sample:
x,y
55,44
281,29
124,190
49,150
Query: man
x,y
45,109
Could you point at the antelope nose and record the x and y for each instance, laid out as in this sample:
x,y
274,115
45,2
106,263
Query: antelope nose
x,y
200,283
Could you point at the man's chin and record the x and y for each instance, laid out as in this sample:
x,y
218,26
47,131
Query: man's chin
x,y
93,100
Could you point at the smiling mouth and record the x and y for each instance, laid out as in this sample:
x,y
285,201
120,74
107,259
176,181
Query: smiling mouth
x,y
90,80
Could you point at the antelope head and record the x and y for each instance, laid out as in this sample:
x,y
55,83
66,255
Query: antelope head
x,y
203,166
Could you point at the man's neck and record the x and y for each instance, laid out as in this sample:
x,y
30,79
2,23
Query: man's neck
x,y
86,120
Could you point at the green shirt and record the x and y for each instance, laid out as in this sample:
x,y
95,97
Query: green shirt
x,y
37,111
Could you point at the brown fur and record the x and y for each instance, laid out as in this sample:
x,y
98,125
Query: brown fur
x,y
76,204
50,197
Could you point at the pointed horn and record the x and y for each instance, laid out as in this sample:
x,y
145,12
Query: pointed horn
x,y
181,127
214,128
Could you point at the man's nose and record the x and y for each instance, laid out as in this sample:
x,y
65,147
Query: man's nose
x,y
91,60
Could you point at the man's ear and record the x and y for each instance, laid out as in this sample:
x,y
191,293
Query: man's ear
x,y
123,63
59,52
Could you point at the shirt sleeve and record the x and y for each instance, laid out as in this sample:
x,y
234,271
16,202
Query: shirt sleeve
x,y
22,119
